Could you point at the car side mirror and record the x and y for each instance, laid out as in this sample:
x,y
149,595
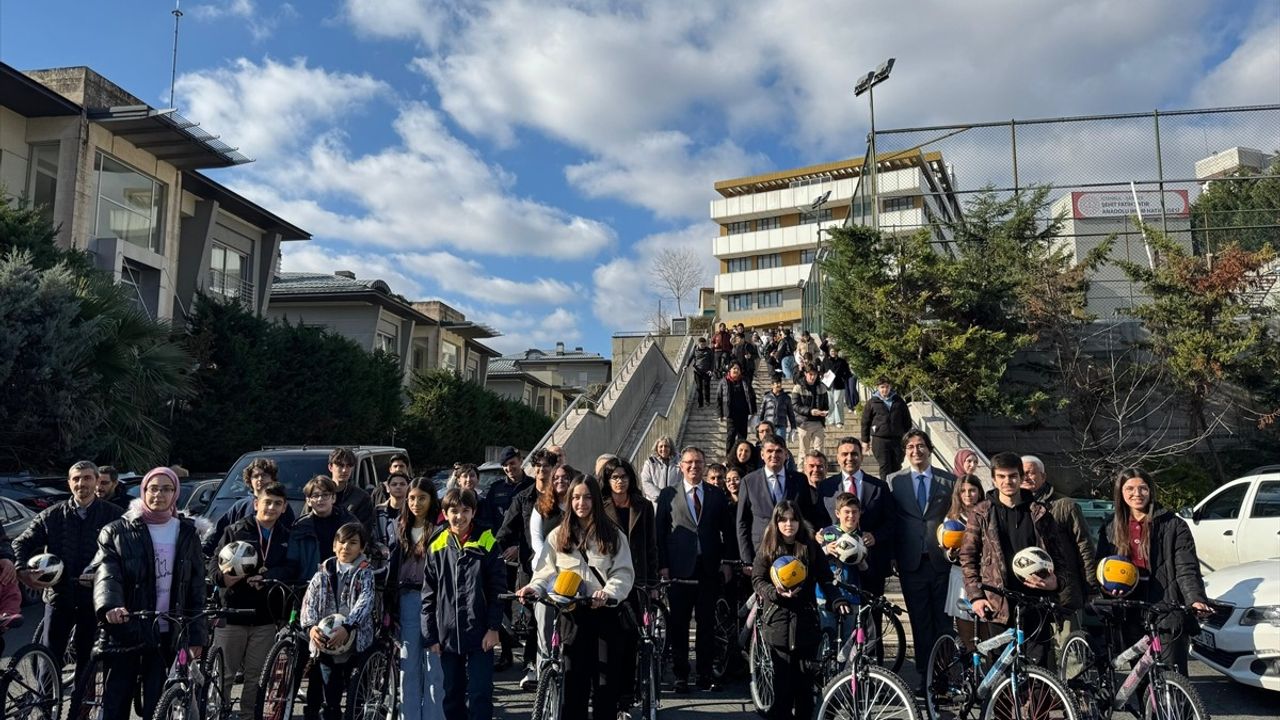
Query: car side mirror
x,y
199,501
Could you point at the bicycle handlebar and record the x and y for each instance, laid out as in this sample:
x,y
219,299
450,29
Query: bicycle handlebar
x,y
875,601
545,599
1025,600
1149,609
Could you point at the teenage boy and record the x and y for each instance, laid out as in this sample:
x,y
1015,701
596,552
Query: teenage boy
x,y
1009,520
342,465
312,536
516,544
848,519
245,642
461,615
69,529
777,409
260,473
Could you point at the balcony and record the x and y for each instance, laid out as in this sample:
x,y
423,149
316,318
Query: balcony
x,y
231,287
771,279
768,241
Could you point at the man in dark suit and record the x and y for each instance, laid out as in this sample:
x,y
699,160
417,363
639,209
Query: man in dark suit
x,y
921,497
877,510
764,488
693,528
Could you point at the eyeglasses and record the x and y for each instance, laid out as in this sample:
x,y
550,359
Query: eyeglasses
x,y
321,496
162,490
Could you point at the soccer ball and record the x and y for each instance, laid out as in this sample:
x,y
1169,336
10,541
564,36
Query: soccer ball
x,y
829,534
788,571
1032,561
850,549
1117,575
238,559
328,626
46,568
950,533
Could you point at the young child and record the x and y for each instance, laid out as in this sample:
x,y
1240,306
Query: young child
x,y
848,516
461,615
792,625
344,584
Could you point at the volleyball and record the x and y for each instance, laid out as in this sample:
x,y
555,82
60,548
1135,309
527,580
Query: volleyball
x,y
950,533
788,571
1117,575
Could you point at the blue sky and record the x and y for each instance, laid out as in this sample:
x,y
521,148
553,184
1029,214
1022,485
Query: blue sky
x,y
524,160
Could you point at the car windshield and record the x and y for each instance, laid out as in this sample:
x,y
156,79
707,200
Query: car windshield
x,y
295,471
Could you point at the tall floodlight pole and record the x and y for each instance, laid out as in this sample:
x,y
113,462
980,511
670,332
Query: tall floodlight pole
x,y
866,85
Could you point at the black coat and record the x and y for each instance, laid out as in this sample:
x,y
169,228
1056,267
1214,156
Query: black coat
x,y
735,399
792,623
358,503
692,548
879,420
807,398
1174,570
59,530
498,499
703,359
460,588
278,565
514,530
125,576
755,508
642,537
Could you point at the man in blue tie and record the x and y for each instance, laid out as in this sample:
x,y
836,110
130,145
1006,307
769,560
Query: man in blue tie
x,y
922,495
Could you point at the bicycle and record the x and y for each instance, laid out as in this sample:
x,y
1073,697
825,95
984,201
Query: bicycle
x,y
193,690
649,664
549,698
1011,688
865,689
728,621
1091,675
759,659
31,686
288,660
878,612
373,692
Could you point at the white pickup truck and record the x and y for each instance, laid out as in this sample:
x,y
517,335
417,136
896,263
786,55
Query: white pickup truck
x,y
1239,522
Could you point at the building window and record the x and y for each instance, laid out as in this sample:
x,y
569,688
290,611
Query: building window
x,y
737,228
130,204
811,180
772,260
386,342
229,273
807,256
892,204
741,264
769,223
419,359
739,302
770,298
815,216
473,370
449,356
43,184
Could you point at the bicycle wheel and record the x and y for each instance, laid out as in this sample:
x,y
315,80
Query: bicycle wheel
x,y
175,704
367,691
550,696
33,684
1171,697
91,696
946,694
647,683
828,663
661,621
279,681
761,661
1078,669
880,695
213,699
886,642
1038,695
726,630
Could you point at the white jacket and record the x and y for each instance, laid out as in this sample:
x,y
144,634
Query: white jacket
x,y
656,476
616,569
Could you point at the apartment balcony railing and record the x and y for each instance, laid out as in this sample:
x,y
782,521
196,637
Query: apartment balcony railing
x,y
231,287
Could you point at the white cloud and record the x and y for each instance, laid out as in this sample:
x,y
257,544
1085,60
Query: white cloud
x,y
260,24
422,19
522,330
454,275
1250,75
269,109
314,257
623,294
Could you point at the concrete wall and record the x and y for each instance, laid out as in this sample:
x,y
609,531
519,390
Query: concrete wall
x,y
624,345
355,321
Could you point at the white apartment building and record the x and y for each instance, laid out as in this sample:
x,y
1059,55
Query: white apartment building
x,y
769,225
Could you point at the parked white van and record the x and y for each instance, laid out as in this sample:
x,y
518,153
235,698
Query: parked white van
x,y
1239,522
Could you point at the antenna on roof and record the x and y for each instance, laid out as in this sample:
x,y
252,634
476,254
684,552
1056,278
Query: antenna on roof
x,y
173,72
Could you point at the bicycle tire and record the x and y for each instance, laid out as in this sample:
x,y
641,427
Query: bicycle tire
x,y
661,621
213,699
726,635
173,703
1046,698
945,690
1079,671
648,683
897,700
93,687
549,700
761,662
278,682
886,640
828,666
32,682
1178,695
367,690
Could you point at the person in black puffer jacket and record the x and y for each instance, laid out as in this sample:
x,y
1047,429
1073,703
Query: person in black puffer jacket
x,y
702,360
1161,545
150,559
885,419
791,623
69,530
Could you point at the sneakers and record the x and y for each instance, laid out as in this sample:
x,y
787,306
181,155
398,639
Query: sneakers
x,y
530,680
624,715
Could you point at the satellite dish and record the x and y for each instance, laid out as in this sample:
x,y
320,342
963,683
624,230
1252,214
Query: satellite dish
x,y
820,200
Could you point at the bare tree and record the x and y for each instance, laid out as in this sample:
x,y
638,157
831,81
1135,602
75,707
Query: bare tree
x,y
677,272
659,322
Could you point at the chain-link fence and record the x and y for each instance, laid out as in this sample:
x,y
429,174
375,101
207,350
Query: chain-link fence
x,y
1105,172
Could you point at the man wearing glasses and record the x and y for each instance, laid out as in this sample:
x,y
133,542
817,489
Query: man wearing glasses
x,y
342,465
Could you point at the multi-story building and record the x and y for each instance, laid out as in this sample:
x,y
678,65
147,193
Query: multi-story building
x,y
119,179
548,380
770,225
1231,161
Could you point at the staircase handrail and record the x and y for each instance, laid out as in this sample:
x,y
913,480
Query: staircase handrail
x,y
660,423
920,395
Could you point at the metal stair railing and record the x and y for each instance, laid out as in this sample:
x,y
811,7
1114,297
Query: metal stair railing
x,y
671,421
949,427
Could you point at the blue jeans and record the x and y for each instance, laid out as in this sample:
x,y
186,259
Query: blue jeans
x,y
789,367
468,682
421,680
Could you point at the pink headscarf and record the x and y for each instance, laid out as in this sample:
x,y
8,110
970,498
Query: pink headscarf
x,y
156,517
962,456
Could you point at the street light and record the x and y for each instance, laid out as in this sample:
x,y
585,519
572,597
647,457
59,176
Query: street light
x,y
865,85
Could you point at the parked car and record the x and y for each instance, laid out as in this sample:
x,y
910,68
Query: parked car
x,y
1242,638
15,516
1239,522
188,491
298,464
490,473
34,492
